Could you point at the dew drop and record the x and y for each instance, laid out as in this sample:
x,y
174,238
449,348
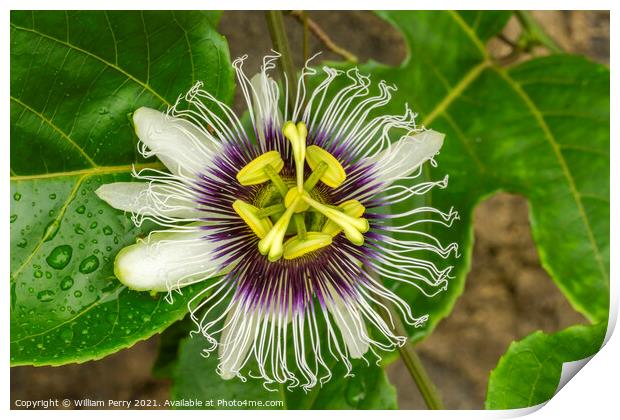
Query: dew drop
x,y
80,210
78,229
48,275
77,294
107,230
93,225
60,257
66,283
17,196
51,230
52,196
14,218
22,243
38,274
45,296
89,264
67,335
81,246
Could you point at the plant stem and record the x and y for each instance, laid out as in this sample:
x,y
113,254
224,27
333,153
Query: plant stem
x,y
322,36
413,363
535,33
305,43
280,44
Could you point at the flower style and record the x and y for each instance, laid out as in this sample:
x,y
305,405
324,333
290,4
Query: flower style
x,y
289,224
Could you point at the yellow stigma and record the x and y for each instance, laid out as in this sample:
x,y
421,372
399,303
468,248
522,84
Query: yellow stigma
x,y
283,204
353,227
297,136
271,244
292,195
351,208
295,247
249,214
254,172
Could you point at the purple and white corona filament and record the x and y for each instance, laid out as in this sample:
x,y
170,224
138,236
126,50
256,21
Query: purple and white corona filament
x,y
288,226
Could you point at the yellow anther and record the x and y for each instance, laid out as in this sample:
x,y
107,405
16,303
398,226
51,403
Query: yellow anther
x,y
249,214
271,244
351,208
292,195
334,176
296,247
254,172
297,136
353,227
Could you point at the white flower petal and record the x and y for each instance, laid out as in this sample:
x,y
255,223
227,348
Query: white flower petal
x,y
351,327
236,339
178,143
142,198
167,260
406,155
264,103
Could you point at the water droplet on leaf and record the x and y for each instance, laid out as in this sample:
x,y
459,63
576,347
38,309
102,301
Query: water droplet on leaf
x,y
89,264
66,283
107,230
80,210
45,296
67,335
13,218
17,196
60,257
51,230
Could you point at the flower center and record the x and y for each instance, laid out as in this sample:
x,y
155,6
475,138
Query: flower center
x,y
295,209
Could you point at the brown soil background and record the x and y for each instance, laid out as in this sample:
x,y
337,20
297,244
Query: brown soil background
x,y
507,294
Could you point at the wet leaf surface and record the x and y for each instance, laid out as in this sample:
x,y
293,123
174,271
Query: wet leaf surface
x,y
75,77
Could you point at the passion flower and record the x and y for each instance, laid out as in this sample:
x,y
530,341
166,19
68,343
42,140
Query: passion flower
x,y
289,224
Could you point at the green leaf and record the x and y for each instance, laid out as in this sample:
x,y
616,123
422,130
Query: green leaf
x,y
194,378
75,77
540,129
169,343
529,373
